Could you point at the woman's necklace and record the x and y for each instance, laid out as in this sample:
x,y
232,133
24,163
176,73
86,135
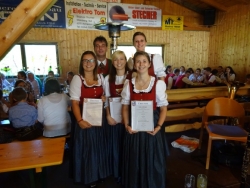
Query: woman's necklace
x,y
90,81
143,84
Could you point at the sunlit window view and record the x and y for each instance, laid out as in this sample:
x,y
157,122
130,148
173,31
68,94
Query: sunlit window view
x,y
38,58
130,50
41,58
12,62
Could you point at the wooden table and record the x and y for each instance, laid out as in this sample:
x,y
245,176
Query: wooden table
x,y
34,154
191,94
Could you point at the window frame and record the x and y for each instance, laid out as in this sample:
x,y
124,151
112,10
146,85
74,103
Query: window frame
x,y
148,45
24,59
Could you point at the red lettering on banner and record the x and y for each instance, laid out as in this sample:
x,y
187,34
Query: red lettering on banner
x,y
152,15
82,11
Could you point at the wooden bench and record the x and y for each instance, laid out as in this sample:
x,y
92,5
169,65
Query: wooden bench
x,y
183,117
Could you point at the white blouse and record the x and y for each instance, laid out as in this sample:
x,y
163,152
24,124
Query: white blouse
x,y
76,84
161,96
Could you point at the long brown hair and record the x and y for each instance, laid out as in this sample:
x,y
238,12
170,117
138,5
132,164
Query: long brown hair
x,y
112,70
81,69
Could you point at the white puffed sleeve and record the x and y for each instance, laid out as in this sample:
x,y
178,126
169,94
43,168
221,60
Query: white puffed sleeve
x,y
161,95
75,88
159,67
125,94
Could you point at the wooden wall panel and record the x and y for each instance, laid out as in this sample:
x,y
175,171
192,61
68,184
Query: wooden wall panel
x,y
230,41
186,48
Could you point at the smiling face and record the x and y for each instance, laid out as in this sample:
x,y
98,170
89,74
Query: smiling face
x,y
119,61
142,64
100,49
140,43
88,62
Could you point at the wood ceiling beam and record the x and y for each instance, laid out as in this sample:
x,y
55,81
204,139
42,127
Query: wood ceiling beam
x,y
188,6
246,2
215,4
20,21
189,26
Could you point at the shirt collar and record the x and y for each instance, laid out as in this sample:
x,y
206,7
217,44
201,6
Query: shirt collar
x,y
104,62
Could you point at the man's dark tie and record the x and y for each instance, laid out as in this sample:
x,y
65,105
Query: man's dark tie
x,y
101,66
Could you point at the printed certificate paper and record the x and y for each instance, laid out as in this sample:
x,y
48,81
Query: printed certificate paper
x,y
142,115
92,111
115,107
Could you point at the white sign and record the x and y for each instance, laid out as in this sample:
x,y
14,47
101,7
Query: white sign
x,y
84,14
136,15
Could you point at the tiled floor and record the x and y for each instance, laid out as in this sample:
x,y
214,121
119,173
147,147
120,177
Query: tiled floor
x,y
179,164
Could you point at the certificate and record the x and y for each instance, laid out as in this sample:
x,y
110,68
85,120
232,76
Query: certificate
x,y
115,107
92,111
142,116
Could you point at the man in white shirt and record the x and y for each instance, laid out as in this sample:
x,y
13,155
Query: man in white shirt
x,y
31,78
5,82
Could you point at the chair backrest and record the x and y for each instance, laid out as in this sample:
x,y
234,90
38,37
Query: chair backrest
x,y
224,107
182,119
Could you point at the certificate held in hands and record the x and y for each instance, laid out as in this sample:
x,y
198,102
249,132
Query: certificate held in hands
x,y
115,107
142,116
92,111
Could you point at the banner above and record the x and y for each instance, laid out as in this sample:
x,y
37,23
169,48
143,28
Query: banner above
x,y
136,15
53,18
84,14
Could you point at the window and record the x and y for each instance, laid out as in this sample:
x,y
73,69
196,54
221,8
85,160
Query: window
x,y
130,50
38,58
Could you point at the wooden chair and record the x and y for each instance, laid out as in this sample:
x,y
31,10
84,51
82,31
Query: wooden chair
x,y
223,107
183,119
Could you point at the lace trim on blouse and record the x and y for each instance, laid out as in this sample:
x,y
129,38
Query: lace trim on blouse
x,y
148,89
99,82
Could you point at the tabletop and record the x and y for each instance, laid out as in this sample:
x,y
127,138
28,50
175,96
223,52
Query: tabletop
x,y
31,154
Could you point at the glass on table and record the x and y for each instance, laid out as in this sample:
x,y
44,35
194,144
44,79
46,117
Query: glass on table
x,y
189,181
201,181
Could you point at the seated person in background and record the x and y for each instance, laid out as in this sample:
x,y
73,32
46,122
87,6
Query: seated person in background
x,y
5,82
50,75
247,79
210,79
219,81
169,70
70,76
34,82
221,73
53,110
190,70
182,80
4,104
28,86
23,84
182,70
169,81
176,74
229,74
197,76
24,117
